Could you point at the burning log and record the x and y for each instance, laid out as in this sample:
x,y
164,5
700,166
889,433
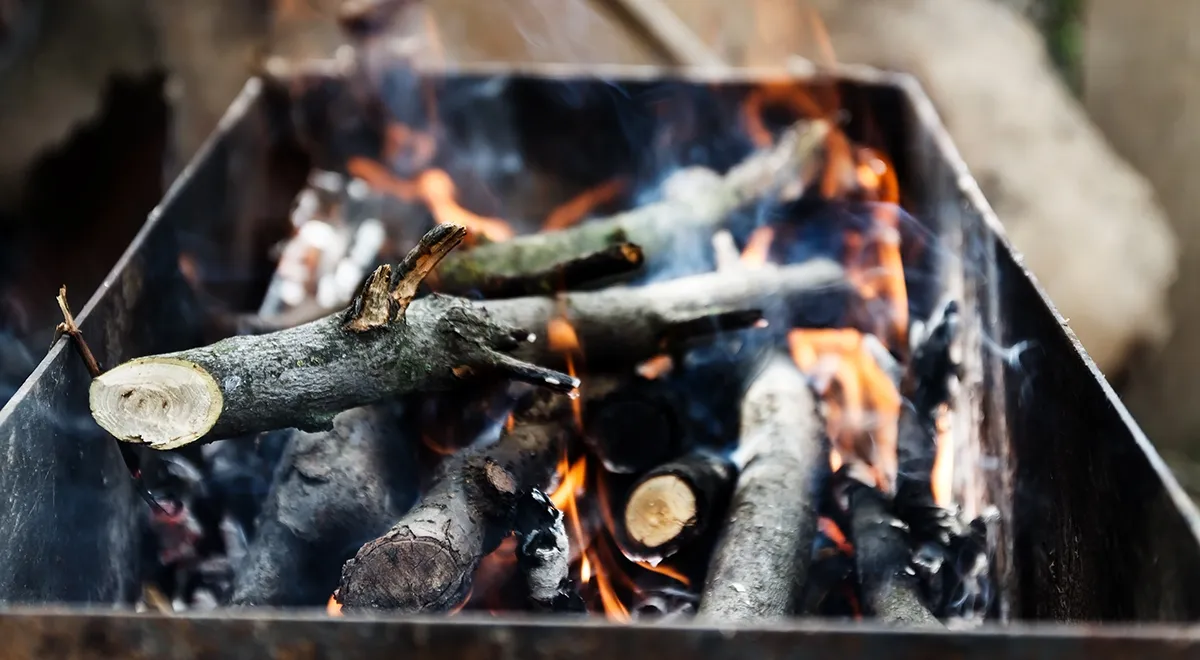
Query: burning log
x,y
654,227
384,345
761,557
625,325
926,385
632,427
883,557
543,555
426,561
333,490
675,503
589,269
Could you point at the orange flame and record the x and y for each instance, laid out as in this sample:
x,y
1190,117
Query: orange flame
x,y
333,607
834,533
942,478
578,207
656,367
433,187
758,247
560,334
864,409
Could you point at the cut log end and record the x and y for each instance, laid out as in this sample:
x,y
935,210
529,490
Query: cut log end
x,y
659,510
423,576
164,403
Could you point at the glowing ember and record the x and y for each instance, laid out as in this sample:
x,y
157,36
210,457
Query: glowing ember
x,y
333,608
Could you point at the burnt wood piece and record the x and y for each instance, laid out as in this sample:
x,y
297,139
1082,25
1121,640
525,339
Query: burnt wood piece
x,y
544,555
927,384
384,345
676,503
426,561
332,492
633,427
591,269
883,558
655,227
625,325
762,554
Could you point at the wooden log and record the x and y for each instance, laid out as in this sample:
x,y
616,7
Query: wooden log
x,y
426,561
676,503
625,325
384,345
631,424
883,559
926,384
591,269
761,557
544,555
332,492
301,377
654,227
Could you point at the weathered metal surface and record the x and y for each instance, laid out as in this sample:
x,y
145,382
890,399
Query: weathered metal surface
x,y
1099,529
72,635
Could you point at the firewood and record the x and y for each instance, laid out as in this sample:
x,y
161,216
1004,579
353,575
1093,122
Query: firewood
x,y
543,555
384,345
675,503
883,558
761,557
301,377
633,426
426,561
332,492
927,384
589,269
655,227
625,325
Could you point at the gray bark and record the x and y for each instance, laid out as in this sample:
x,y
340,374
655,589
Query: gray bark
x,y
762,558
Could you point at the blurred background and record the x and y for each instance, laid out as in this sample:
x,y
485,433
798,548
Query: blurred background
x,y
1079,118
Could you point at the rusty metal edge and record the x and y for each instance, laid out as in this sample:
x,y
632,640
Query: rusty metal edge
x,y
34,632
233,114
969,187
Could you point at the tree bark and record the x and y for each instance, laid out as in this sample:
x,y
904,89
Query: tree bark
x,y
762,557
426,561
591,270
332,492
624,325
883,557
384,345
656,228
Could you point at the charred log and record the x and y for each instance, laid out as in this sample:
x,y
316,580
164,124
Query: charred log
x,y
425,562
676,503
633,427
762,554
543,555
655,227
883,558
332,491
386,344
925,386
